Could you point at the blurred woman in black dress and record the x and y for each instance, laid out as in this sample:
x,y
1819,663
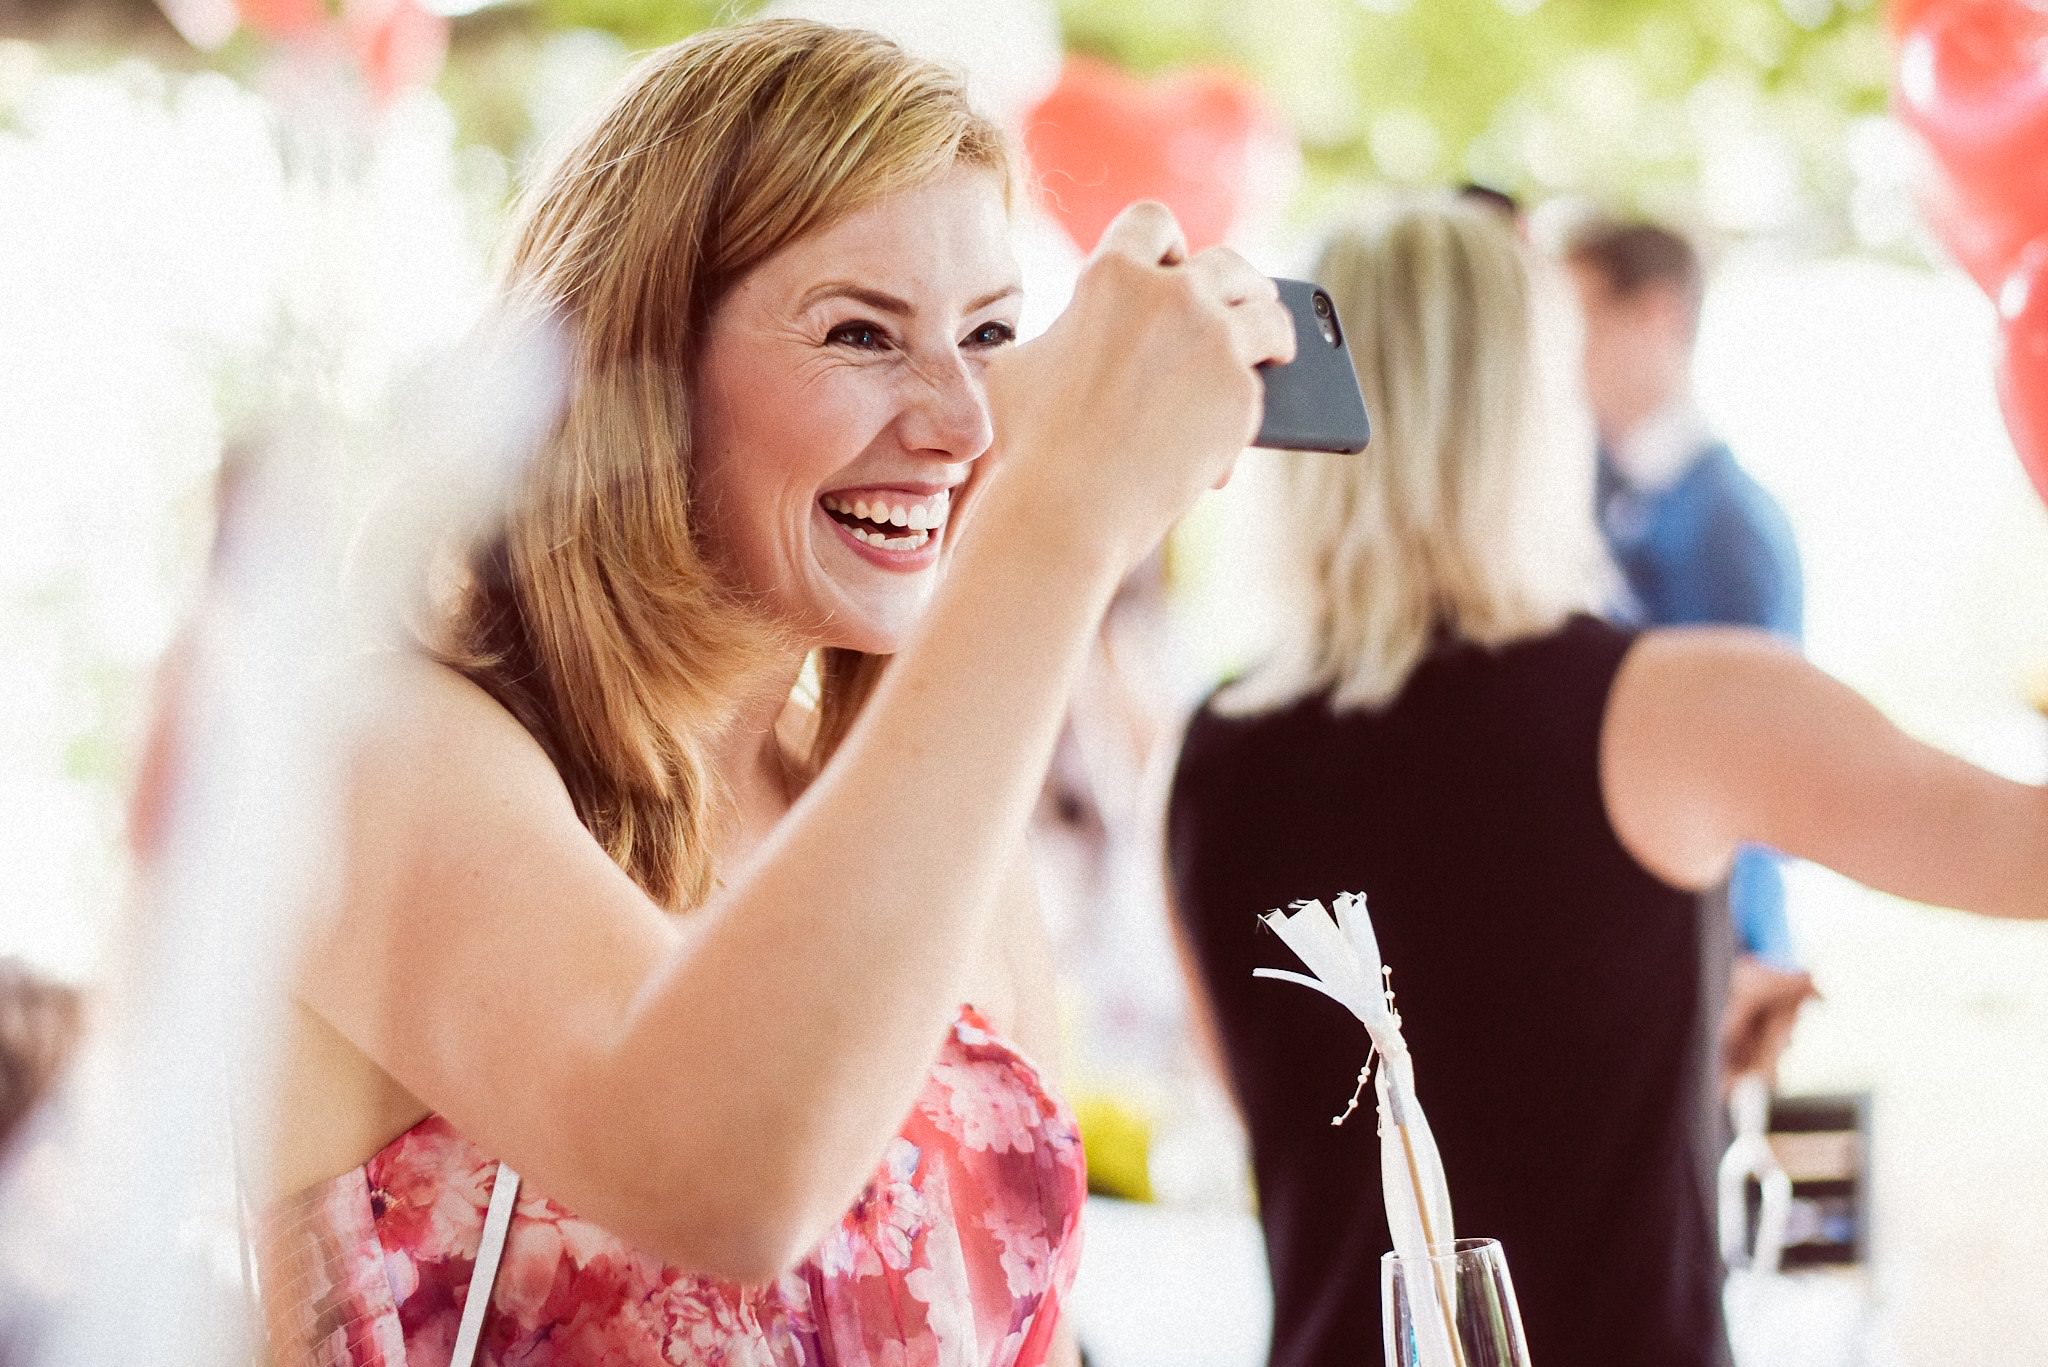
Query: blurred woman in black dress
x,y
1537,805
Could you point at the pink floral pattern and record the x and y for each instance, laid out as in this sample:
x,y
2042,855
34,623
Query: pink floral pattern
x,y
958,1254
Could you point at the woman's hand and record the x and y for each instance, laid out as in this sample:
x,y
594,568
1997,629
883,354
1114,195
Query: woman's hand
x,y
1756,1024
1139,397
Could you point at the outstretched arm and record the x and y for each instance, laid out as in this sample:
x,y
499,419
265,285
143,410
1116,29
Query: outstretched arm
x,y
1719,736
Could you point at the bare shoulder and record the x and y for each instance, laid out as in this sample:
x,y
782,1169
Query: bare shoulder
x,y
441,965
425,730
443,788
409,698
1699,690
1685,694
1704,662
1689,712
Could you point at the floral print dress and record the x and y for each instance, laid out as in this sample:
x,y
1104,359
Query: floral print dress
x,y
958,1254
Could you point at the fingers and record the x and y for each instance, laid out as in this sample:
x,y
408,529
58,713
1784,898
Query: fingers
x,y
1261,328
1268,332
1777,1033
1148,233
1231,278
1763,1009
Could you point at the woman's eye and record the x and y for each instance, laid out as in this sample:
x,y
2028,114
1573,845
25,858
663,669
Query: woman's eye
x,y
992,334
859,336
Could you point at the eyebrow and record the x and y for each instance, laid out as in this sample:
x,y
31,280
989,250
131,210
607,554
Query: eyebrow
x,y
889,303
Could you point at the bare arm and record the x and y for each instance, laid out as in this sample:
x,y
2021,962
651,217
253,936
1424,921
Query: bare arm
x,y
1716,737
717,1092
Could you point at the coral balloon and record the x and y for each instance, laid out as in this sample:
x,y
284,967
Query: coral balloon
x,y
2023,370
1986,239
1103,138
1904,14
1973,80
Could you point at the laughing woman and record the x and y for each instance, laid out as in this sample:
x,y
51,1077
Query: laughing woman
x,y
742,993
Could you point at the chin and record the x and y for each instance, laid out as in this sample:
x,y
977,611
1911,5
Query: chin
x,y
870,638
877,628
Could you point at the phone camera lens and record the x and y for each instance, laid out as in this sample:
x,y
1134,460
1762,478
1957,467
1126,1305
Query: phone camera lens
x,y
1322,305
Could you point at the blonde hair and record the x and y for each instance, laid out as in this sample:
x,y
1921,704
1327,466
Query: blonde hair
x,y
1470,515
592,612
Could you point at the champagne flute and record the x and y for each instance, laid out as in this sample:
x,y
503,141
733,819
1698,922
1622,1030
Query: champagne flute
x,y
1486,1326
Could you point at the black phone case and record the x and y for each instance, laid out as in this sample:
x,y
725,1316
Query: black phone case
x,y
1313,403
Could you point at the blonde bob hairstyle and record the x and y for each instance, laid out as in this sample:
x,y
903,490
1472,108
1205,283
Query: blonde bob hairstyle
x,y
591,611
1469,518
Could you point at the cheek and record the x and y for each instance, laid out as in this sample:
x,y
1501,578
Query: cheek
x,y
795,435
760,438
775,447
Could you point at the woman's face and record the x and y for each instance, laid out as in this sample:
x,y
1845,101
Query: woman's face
x,y
840,404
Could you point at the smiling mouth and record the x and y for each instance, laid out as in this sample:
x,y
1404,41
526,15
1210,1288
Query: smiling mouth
x,y
889,522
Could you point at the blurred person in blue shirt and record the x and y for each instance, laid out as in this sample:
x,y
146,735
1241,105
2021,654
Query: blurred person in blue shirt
x,y
1697,540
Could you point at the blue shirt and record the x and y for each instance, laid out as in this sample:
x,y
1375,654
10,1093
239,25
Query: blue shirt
x,y
1712,547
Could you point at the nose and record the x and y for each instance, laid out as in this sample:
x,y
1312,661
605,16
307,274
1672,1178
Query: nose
x,y
946,413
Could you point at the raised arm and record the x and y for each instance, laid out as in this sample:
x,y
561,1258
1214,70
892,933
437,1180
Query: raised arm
x,y
718,1089
1719,736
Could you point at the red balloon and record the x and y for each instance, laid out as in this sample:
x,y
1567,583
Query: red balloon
x,y
1986,239
1973,80
1103,138
2023,369
1903,14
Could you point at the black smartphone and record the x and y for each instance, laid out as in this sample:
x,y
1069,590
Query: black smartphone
x,y
1313,403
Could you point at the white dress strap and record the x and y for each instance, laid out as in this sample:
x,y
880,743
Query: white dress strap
x,y
482,1277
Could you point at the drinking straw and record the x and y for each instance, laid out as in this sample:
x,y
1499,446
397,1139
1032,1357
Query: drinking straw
x,y
1343,959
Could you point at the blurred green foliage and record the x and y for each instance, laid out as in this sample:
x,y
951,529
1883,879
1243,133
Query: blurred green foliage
x,y
1734,114
643,23
1621,101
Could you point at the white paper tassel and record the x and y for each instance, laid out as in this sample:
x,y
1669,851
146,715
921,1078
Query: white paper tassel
x,y
1343,955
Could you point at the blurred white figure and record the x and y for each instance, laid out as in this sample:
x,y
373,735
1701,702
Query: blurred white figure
x,y
234,829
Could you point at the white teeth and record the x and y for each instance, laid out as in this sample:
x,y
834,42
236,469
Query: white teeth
x,y
926,516
890,543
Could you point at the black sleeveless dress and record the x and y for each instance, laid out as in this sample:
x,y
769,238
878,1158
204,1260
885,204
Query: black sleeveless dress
x,y
1562,1003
